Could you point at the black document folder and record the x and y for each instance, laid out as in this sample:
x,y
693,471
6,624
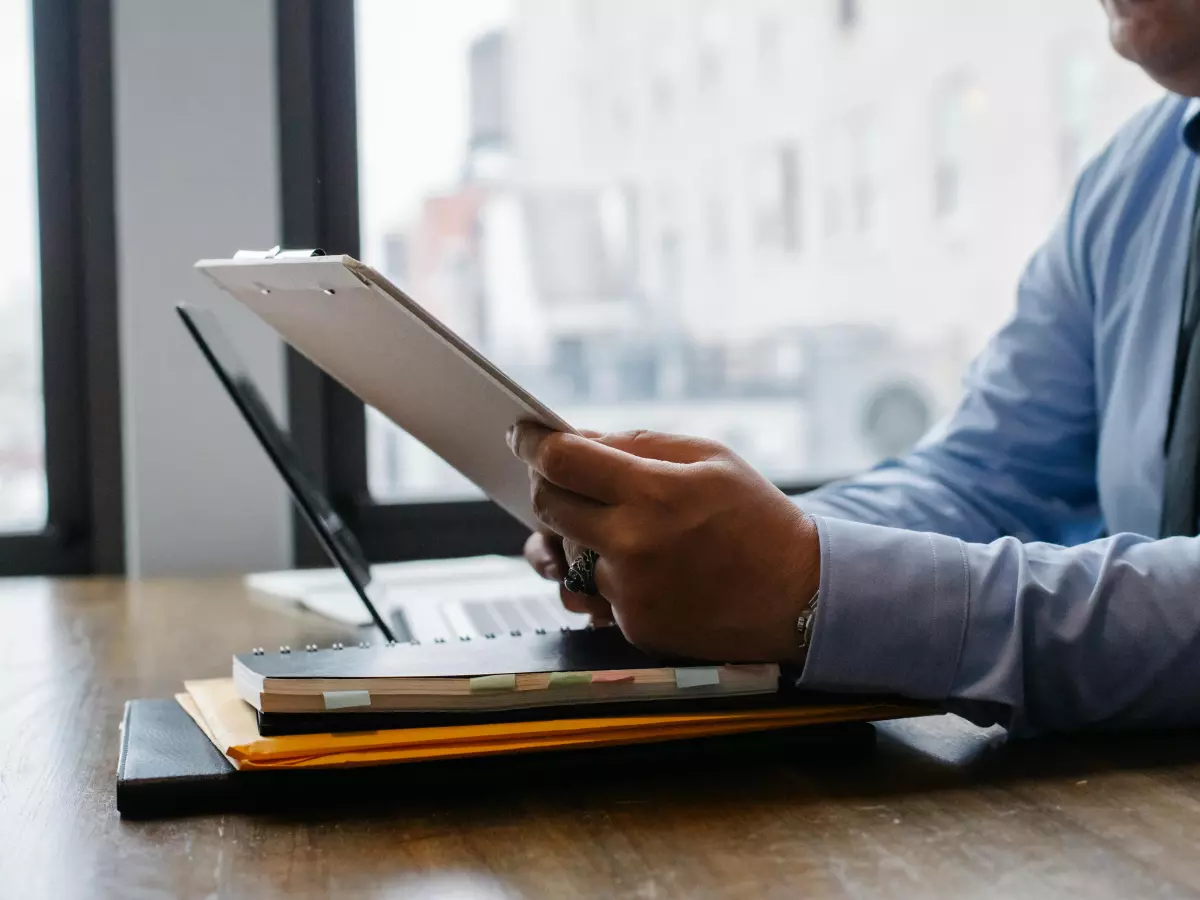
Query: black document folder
x,y
168,767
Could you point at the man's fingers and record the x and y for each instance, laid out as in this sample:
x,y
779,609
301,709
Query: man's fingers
x,y
571,550
564,512
545,553
604,580
602,573
655,445
601,467
580,464
596,607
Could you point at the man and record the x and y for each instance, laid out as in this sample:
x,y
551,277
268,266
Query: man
x,y
975,570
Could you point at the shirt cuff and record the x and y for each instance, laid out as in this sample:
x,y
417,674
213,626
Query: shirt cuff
x,y
892,612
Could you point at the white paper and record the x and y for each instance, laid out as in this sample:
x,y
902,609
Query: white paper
x,y
328,593
432,592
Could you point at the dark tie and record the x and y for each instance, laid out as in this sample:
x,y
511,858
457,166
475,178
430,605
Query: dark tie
x,y
1182,481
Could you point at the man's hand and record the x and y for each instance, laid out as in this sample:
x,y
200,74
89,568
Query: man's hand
x,y
700,555
544,550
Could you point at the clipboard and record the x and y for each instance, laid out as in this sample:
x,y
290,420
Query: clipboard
x,y
393,354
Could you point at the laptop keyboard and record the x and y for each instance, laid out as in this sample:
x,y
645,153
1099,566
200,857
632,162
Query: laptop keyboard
x,y
479,610
519,614
400,627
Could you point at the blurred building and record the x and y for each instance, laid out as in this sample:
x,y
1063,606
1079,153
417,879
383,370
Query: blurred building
x,y
488,83
786,225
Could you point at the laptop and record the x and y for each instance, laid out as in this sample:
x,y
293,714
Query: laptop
x,y
423,602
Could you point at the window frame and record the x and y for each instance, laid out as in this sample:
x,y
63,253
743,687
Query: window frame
x,y
73,121
318,146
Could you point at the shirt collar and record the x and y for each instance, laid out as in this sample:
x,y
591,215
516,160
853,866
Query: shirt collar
x,y
1189,129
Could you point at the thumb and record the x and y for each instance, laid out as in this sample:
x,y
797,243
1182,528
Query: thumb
x,y
676,448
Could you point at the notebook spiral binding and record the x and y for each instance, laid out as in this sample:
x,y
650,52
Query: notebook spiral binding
x,y
366,645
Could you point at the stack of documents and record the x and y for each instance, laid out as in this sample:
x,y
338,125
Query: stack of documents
x,y
230,724
341,706
500,672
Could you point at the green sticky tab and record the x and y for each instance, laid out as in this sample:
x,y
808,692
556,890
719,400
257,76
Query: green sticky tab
x,y
562,679
494,683
346,699
697,676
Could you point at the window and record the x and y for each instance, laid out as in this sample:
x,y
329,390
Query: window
x,y
867,163
718,227
958,107
22,414
775,195
658,274
770,46
1077,96
488,120
712,26
847,14
853,176
837,171
60,484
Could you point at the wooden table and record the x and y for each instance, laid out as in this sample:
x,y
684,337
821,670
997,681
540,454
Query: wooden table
x,y
940,809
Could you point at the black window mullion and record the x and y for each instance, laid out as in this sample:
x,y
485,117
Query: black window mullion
x,y
73,130
56,100
318,149
96,291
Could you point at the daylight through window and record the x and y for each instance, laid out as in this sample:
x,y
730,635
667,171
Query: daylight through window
x,y
22,432
723,217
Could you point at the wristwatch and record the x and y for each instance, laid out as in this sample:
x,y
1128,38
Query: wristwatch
x,y
804,625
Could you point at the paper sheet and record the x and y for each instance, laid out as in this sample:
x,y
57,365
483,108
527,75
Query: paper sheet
x,y
328,593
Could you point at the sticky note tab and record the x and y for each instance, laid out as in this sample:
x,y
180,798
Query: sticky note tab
x,y
563,679
611,677
493,683
346,699
697,676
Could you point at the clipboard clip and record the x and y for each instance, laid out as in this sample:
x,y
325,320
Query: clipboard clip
x,y
276,253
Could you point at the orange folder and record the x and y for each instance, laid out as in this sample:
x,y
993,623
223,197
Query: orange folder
x,y
231,725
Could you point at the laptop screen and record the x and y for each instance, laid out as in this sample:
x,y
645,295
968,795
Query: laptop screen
x,y
338,541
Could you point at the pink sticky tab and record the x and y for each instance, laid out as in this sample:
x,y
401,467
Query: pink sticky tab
x,y
611,677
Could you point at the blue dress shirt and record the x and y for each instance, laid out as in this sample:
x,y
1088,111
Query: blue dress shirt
x,y
974,570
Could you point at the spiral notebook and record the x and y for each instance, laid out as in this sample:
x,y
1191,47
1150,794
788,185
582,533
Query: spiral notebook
x,y
534,671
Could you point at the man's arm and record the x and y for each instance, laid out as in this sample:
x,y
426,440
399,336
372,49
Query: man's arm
x,y
1018,456
699,556
1035,636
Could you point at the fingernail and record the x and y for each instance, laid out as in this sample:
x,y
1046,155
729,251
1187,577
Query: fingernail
x,y
508,436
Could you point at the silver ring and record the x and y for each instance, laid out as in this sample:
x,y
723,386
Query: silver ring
x,y
581,576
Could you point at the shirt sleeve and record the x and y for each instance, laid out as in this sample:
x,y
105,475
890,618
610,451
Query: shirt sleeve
x,y
1018,455
944,575
1035,636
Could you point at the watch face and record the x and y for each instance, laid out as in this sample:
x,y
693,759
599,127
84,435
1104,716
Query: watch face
x,y
805,619
804,626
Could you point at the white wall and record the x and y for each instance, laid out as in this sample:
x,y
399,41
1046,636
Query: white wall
x,y
196,176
